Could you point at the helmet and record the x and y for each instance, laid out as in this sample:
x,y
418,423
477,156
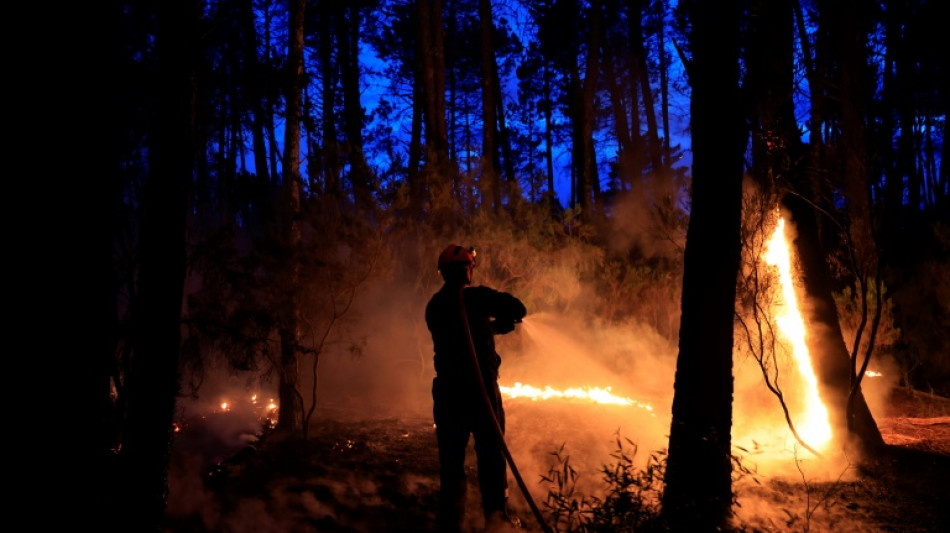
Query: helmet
x,y
454,253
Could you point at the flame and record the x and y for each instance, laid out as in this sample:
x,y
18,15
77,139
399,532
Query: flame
x,y
814,428
593,394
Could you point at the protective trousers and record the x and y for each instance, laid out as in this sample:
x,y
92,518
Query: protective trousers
x,y
458,413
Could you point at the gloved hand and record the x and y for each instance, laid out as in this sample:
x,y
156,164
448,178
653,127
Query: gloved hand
x,y
500,327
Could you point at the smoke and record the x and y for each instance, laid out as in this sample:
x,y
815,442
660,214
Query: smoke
x,y
637,218
376,364
554,350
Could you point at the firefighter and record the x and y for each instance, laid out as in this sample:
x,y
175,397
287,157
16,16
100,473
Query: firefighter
x,y
459,406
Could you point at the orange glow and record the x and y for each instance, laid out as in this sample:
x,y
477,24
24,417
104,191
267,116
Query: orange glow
x,y
812,423
224,406
591,394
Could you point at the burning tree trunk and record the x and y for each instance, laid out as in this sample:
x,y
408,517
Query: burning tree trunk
x,y
698,494
825,340
778,154
854,86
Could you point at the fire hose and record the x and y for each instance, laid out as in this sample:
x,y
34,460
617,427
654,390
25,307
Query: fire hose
x,y
490,412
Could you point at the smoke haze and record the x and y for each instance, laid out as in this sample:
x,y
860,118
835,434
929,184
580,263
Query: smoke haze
x,y
378,365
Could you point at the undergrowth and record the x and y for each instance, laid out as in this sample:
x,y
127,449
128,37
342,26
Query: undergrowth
x,y
630,500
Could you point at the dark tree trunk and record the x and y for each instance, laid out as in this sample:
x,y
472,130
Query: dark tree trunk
x,y
581,94
152,383
417,188
628,158
489,119
433,76
768,83
330,165
892,212
348,31
290,415
698,493
825,340
654,148
504,137
855,84
548,101
664,85
88,316
253,88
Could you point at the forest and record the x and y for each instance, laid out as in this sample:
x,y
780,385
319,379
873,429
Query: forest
x,y
275,180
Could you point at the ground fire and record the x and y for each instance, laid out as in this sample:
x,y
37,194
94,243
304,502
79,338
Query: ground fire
x,y
808,412
594,394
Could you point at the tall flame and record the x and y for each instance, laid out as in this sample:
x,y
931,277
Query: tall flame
x,y
814,428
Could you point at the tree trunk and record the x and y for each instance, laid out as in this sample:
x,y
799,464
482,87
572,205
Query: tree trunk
x,y
581,94
489,120
348,31
91,280
152,383
855,84
698,493
433,75
768,83
254,79
330,165
504,136
417,188
664,85
825,340
649,110
290,416
548,101
629,158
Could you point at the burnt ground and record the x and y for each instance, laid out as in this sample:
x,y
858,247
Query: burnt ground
x,y
381,475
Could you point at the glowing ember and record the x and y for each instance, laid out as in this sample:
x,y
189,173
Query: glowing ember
x,y
593,394
872,374
815,430
224,406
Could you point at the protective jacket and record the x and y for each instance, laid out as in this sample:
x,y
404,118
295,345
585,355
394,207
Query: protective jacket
x,y
489,312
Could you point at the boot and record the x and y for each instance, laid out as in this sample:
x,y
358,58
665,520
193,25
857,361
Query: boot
x,y
503,522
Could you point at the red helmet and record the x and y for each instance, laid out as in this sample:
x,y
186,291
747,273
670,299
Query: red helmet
x,y
454,253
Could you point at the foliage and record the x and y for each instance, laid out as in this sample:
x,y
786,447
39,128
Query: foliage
x,y
630,500
849,312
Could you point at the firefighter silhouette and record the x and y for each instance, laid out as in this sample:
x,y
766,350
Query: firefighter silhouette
x,y
463,320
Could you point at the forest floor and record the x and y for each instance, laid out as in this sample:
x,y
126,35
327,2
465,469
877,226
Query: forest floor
x,y
381,475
